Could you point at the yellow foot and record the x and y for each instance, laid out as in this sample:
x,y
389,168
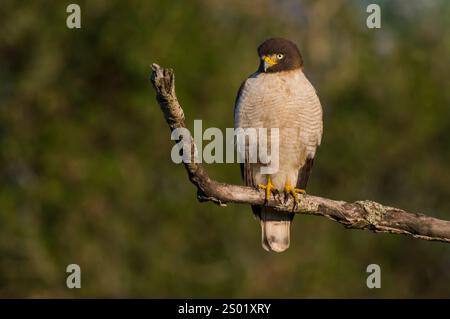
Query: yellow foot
x,y
268,187
292,190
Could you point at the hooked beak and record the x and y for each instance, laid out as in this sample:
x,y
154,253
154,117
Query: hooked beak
x,y
268,61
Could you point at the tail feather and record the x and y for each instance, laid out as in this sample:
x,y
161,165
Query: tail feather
x,y
275,229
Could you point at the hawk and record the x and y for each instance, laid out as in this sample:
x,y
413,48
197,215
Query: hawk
x,y
278,95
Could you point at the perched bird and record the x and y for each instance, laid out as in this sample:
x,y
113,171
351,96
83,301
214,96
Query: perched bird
x,y
278,95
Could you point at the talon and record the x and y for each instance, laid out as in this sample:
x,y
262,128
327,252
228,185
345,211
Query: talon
x,y
268,187
293,191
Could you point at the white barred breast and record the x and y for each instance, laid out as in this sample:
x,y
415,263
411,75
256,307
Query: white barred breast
x,y
287,101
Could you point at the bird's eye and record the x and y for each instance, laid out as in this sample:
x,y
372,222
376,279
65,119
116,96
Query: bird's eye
x,y
280,56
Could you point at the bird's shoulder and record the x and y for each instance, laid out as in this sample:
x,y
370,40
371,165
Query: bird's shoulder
x,y
248,83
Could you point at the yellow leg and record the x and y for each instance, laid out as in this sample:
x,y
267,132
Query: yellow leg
x,y
268,187
292,190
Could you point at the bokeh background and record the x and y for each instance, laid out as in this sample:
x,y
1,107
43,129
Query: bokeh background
x,y
85,169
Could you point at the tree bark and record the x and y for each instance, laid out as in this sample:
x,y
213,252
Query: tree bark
x,y
364,214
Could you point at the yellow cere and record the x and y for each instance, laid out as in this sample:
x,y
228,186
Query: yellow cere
x,y
271,60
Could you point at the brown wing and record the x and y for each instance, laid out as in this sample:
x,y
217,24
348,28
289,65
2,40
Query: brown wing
x,y
304,172
238,95
315,127
246,169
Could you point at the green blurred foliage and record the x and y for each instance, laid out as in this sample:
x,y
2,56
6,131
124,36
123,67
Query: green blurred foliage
x,y
85,169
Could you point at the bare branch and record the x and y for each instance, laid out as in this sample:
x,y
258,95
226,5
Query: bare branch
x,y
358,215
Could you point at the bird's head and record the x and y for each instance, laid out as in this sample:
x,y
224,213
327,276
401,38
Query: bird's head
x,y
278,54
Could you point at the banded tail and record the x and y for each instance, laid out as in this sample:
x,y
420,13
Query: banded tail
x,y
275,229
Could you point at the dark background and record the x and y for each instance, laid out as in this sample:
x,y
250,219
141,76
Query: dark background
x,y
85,169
